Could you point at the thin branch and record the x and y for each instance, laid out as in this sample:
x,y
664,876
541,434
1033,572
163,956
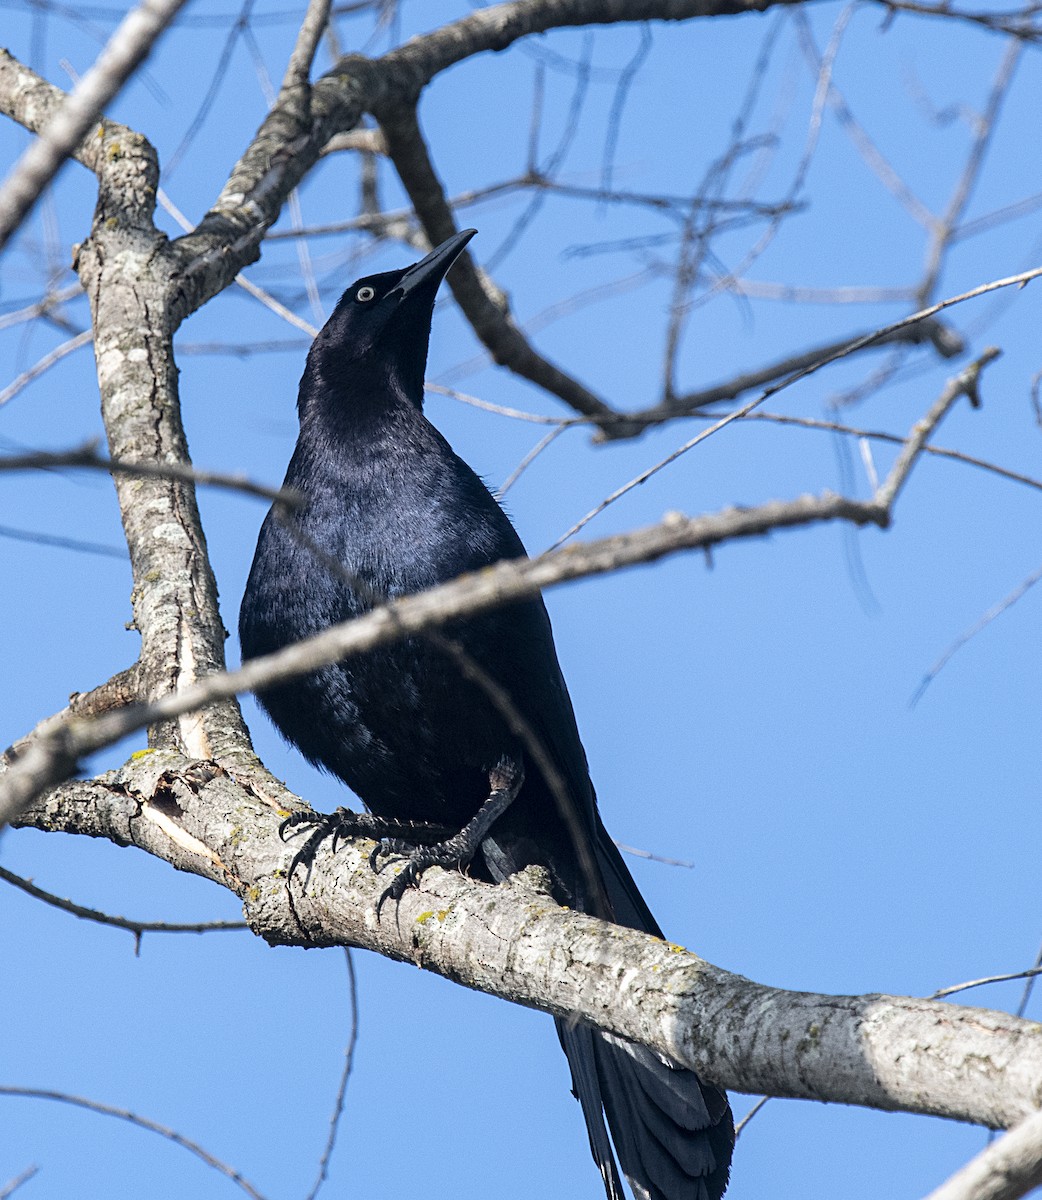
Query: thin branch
x,y
1009,212
740,1127
122,1114
618,105
652,857
59,542
137,928
42,306
968,635
128,47
247,285
943,229
878,435
502,410
1007,1169
637,421
544,442
301,60
345,1075
870,153
941,993
945,341
1025,997
966,383
235,31
87,456
45,364
647,474
14,1184
784,419
122,689
482,303
1013,23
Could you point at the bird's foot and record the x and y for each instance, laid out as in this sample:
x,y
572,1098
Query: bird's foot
x,y
343,823
505,779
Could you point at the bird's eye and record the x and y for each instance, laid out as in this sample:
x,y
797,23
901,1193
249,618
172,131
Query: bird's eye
x,y
365,293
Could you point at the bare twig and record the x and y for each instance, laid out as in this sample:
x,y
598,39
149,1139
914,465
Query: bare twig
x,y
879,435
544,442
968,635
1025,997
954,990
128,47
652,857
122,689
247,285
483,304
646,474
943,230
59,542
740,1127
315,20
122,1114
235,31
871,154
45,364
1018,23
87,456
42,306
345,1075
14,1184
894,331
137,928
966,383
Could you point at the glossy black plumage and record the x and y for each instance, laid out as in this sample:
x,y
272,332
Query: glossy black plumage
x,y
388,509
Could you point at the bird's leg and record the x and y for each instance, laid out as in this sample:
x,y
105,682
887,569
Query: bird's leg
x,y
505,781
343,823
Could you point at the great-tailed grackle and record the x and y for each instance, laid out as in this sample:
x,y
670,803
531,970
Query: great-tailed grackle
x,y
420,729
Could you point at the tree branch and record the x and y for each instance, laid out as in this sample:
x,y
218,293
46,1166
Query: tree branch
x,y
482,303
513,941
66,126
1006,1170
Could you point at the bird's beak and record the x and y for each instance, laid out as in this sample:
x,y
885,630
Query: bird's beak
x,y
433,269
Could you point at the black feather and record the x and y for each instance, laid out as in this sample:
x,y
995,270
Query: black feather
x,y
387,510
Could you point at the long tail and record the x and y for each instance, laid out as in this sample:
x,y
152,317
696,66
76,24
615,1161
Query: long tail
x,y
672,1133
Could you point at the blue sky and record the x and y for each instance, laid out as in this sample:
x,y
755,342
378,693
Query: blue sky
x,y
752,717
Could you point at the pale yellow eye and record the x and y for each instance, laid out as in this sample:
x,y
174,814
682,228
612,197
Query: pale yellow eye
x,y
364,294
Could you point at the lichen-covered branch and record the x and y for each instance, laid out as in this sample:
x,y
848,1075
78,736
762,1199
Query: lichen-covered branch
x,y
65,123
513,941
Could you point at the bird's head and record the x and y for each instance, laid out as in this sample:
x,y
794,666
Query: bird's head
x,y
379,331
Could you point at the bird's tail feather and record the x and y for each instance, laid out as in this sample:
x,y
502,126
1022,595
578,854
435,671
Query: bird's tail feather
x,y
673,1134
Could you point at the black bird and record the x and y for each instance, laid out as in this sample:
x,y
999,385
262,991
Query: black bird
x,y
419,730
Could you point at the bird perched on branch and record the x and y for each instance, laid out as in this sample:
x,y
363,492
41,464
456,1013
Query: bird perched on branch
x,y
462,743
